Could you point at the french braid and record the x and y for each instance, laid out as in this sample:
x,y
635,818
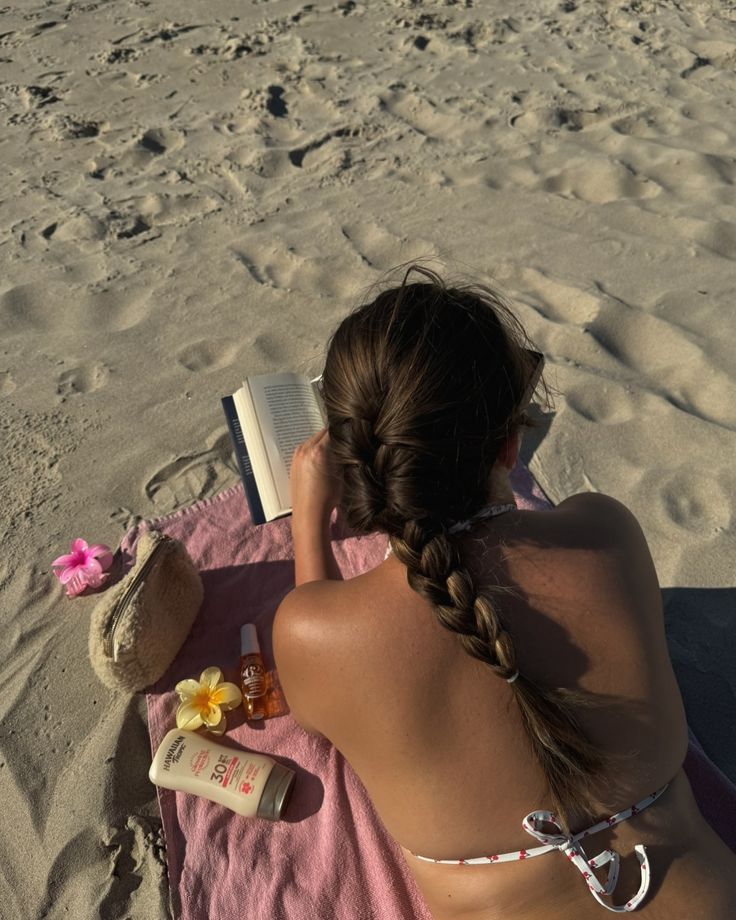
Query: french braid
x,y
421,387
569,761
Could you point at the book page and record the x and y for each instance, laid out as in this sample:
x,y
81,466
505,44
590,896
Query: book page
x,y
251,430
289,412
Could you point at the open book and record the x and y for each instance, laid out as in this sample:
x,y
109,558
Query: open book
x,y
268,417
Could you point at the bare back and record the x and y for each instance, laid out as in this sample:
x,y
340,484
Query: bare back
x,y
437,738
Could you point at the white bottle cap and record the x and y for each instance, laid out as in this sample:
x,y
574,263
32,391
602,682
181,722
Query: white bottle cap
x,y
249,639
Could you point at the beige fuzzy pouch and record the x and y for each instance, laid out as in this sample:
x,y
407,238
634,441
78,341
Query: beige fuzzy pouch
x,y
140,623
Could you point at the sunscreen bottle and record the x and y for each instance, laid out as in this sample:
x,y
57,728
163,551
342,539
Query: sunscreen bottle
x,y
252,785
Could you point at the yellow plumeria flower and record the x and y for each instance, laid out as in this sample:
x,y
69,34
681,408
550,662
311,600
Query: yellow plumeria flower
x,y
203,701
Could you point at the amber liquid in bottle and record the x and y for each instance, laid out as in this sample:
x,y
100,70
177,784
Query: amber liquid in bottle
x,y
275,701
253,678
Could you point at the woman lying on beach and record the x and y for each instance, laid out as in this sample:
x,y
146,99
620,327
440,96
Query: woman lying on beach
x,y
500,666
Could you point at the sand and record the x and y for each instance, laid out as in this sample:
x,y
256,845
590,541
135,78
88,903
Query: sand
x,y
194,192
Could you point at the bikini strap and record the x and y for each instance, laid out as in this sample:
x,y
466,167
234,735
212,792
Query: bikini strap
x,y
570,846
482,515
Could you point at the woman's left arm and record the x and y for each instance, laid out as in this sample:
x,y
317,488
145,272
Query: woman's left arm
x,y
315,491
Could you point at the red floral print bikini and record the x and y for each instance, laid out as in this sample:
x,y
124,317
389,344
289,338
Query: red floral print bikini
x,y
570,846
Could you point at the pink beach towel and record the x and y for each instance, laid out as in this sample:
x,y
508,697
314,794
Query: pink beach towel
x,y
331,857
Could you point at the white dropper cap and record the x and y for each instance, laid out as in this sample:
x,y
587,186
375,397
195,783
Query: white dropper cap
x,y
249,640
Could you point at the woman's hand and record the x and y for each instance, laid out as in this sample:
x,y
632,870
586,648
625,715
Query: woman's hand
x,y
315,490
313,480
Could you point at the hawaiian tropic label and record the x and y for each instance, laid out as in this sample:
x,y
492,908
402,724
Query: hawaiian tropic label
x,y
253,676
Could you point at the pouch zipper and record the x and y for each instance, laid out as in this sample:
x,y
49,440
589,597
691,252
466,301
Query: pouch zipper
x,y
111,650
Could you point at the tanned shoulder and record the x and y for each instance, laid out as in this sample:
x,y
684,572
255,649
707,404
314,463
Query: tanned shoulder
x,y
600,510
609,525
301,653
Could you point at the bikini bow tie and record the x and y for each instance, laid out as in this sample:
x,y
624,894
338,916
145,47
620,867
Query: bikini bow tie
x,y
570,846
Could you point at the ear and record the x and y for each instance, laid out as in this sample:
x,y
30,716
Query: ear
x,y
509,453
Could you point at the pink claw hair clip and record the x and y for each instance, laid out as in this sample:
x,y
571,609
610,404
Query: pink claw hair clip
x,y
83,567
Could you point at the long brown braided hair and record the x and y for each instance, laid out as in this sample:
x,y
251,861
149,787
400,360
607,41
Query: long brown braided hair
x,y
421,387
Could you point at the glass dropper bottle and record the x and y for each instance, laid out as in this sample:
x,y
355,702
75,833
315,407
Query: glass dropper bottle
x,y
253,680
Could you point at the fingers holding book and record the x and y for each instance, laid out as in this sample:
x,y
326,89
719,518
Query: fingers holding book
x,y
314,481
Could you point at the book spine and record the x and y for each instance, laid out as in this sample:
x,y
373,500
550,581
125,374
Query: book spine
x,y
241,455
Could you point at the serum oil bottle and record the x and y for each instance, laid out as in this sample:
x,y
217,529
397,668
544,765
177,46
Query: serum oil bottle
x,y
275,700
253,678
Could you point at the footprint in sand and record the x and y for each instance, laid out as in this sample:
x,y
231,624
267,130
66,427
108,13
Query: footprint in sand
x,y
695,503
25,308
160,210
83,379
644,123
329,153
548,120
124,517
160,140
146,151
270,348
198,356
605,402
282,267
78,229
229,49
192,477
117,56
600,180
421,114
301,126
140,216
66,128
